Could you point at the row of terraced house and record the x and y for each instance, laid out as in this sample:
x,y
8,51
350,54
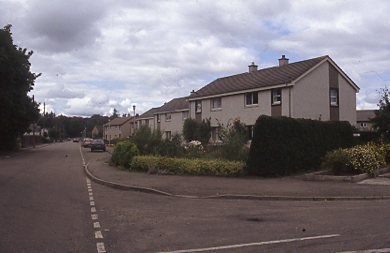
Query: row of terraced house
x,y
312,89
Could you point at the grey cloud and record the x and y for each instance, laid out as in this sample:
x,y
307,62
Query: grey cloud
x,y
60,26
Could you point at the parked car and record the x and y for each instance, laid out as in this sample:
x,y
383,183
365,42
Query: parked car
x,y
75,139
87,142
98,144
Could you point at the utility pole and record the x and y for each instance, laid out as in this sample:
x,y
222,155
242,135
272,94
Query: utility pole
x,y
33,127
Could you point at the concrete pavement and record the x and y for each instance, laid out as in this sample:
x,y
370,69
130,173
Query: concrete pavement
x,y
288,188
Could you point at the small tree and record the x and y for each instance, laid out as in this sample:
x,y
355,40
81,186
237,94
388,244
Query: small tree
x,y
189,129
233,137
194,130
382,117
204,132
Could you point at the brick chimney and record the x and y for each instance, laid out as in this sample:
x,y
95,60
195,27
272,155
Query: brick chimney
x,y
252,67
283,61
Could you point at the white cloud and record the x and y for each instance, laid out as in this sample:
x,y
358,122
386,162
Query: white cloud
x,y
97,55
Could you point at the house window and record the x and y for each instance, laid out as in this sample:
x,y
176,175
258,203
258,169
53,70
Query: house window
x,y
158,118
198,106
185,115
276,96
168,116
216,103
334,97
168,135
252,98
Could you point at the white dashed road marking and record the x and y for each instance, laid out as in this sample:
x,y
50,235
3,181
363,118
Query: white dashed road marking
x,y
94,217
370,251
236,246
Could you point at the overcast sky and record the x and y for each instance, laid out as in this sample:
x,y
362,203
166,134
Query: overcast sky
x,y
96,55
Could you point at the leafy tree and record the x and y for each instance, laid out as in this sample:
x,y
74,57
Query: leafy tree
x,y
189,129
18,110
382,117
204,131
194,130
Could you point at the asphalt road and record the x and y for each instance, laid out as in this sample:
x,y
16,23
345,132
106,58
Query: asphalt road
x,y
45,207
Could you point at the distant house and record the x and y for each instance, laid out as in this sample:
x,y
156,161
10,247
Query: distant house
x,y
118,128
97,131
313,89
363,120
170,117
147,118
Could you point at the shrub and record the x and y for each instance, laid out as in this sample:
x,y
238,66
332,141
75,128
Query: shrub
x,y
283,146
359,159
171,148
337,162
194,130
178,166
147,140
234,137
385,151
124,151
365,158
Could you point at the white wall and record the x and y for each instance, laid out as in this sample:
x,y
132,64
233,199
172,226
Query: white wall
x,y
174,125
310,95
347,101
233,107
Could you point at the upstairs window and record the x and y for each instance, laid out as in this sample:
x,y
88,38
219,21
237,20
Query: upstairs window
x,y
168,116
276,96
198,106
252,98
334,97
216,103
185,115
158,118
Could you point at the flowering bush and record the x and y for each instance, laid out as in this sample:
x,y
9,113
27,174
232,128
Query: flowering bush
x,y
359,159
365,158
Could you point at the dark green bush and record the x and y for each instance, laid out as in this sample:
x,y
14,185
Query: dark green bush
x,y
171,148
283,146
337,162
124,152
179,166
194,130
147,140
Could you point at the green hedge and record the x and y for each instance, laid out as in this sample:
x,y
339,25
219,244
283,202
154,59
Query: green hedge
x,y
179,166
124,151
283,146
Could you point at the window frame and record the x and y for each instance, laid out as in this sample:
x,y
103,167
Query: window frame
x,y
198,106
168,116
185,115
334,96
216,103
276,93
252,95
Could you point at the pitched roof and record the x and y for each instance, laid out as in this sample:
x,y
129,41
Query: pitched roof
x,y
176,104
149,113
258,79
365,115
118,121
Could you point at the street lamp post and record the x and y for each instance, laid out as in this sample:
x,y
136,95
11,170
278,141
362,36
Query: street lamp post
x,y
134,119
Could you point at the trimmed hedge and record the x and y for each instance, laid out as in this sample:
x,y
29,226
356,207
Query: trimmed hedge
x,y
283,146
179,166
